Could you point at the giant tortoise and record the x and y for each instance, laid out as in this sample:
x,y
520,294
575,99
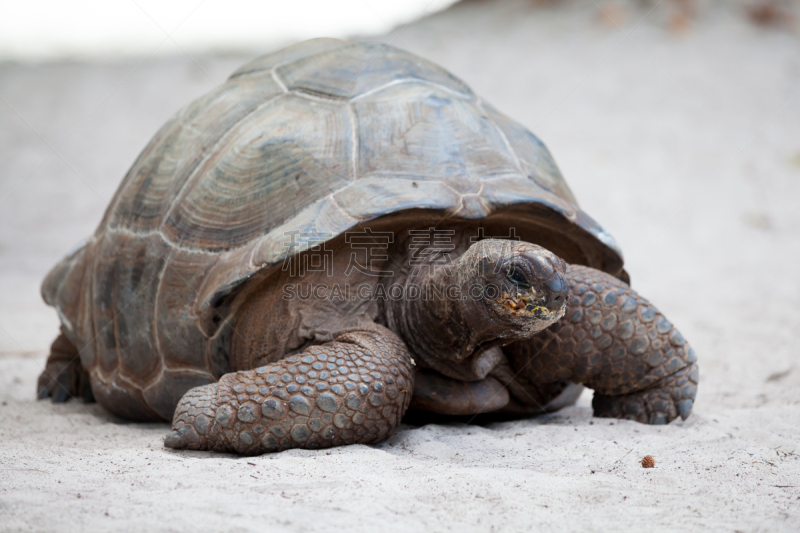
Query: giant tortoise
x,y
339,233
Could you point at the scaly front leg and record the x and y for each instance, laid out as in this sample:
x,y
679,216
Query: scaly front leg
x,y
615,342
353,390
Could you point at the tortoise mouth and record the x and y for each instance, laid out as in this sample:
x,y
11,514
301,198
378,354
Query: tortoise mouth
x,y
529,304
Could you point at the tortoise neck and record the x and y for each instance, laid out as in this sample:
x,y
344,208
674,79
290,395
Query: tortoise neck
x,y
443,328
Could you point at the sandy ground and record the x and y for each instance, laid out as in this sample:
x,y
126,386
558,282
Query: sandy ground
x,y
685,145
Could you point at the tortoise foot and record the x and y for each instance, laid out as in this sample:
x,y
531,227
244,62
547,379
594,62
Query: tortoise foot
x,y
616,342
661,404
64,377
352,390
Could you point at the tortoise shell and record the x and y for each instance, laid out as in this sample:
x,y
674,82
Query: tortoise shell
x,y
311,140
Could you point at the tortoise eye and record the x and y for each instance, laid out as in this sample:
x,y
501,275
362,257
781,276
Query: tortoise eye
x,y
518,277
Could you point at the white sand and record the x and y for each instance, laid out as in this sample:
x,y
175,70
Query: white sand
x,y
685,146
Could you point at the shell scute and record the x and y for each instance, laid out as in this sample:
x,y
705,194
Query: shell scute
x,y
127,275
370,198
357,68
428,124
534,158
288,55
283,157
178,342
179,148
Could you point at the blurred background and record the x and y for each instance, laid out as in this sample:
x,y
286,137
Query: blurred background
x,y
52,30
676,122
102,29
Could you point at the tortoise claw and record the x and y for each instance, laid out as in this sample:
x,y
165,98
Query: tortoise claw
x,y
672,397
685,408
175,440
60,394
88,395
43,392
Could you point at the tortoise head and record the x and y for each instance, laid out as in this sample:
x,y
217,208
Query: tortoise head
x,y
518,286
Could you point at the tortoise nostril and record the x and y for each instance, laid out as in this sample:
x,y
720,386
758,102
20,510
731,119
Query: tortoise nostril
x,y
555,302
557,295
